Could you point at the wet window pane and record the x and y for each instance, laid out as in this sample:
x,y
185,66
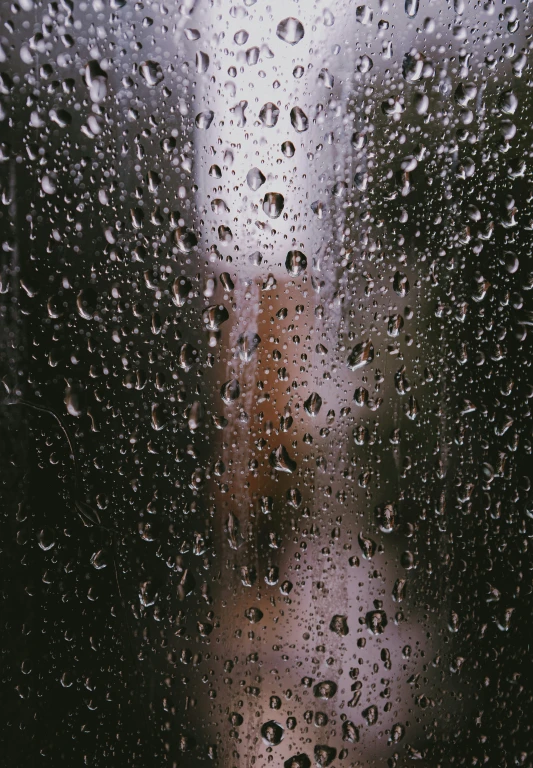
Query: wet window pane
x,y
265,294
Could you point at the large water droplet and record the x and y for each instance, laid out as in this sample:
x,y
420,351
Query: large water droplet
x,y
299,120
325,690
181,290
376,621
185,239
204,119
246,345
273,204
269,114
281,461
151,72
297,761
350,732
362,354
313,404
401,284
290,30
339,625
214,316
295,263
255,179
233,531
324,755
272,733
230,391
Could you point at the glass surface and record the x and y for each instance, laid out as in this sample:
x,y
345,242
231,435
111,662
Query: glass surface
x,y
265,430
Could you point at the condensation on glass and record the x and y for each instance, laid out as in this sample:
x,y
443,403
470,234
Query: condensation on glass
x,y
265,417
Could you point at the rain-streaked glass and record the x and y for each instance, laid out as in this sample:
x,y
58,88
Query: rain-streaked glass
x,y
265,422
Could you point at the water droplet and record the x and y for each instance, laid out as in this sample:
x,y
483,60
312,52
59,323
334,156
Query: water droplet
x,y
86,303
269,115
158,417
364,15
339,625
151,72
185,239
376,621
313,404
273,204
233,531
202,62
266,505
272,733
368,546
398,590
236,719
47,538
214,316
248,576
230,391
508,102
281,461
325,690
299,120
48,185
324,755
397,733
395,325
290,30
288,148
295,263
294,497
246,345
371,714
386,517
401,284
254,615
74,401
99,559
241,37
362,354
181,290
204,119
298,761
255,179
218,206
413,66
252,56
350,732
